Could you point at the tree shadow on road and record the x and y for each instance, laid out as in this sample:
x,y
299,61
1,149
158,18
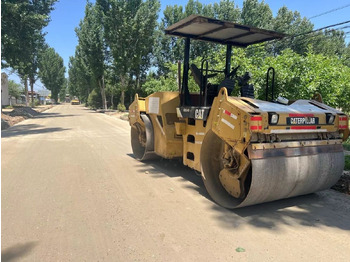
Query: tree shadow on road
x,y
327,208
30,129
50,115
17,251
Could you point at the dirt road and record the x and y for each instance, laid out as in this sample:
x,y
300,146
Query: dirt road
x,y
72,191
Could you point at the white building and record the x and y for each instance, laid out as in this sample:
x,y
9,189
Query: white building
x,y
5,98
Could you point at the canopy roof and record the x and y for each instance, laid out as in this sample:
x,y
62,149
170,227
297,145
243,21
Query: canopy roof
x,y
222,32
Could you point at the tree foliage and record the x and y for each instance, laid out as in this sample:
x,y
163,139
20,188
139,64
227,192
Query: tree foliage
x,y
51,72
22,39
92,46
15,89
257,14
116,40
305,61
130,38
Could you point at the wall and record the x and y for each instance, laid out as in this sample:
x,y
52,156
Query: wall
x,y
5,101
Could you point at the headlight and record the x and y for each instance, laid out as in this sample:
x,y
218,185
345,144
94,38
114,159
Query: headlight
x,y
330,118
273,118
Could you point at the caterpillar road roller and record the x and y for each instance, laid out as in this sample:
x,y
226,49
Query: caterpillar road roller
x,y
248,151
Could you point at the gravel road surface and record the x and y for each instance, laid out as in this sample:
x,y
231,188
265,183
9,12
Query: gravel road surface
x,y
72,191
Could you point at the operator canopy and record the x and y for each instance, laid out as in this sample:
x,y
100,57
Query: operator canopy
x,y
222,32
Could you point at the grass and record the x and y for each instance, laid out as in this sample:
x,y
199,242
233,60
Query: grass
x,y
347,162
346,144
346,147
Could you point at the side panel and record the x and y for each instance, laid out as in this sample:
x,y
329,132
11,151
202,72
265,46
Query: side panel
x,y
192,143
161,107
135,110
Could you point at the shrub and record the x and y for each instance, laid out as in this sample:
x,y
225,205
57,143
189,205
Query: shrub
x,y
121,107
347,162
94,99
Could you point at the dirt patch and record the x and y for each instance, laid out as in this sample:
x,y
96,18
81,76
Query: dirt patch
x,y
343,184
118,114
18,114
26,112
7,120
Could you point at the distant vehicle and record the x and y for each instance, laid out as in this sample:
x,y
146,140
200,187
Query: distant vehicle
x,y
75,101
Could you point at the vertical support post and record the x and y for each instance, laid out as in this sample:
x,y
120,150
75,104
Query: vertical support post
x,y
186,94
228,60
179,76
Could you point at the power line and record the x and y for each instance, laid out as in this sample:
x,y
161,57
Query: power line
x,y
343,27
39,86
330,11
320,29
300,41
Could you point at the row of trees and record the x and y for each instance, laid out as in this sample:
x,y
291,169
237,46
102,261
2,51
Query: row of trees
x,y
23,46
256,14
123,49
116,41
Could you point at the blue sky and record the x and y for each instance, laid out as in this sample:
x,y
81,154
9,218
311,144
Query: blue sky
x,y
67,14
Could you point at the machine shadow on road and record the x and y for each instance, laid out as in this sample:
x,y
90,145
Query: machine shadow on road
x,y
313,210
29,129
17,251
174,168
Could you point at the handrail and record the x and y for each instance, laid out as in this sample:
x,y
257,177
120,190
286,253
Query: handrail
x,y
204,81
267,83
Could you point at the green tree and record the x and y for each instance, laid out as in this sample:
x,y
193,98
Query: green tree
x,y
21,35
224,10
51,72
92,43
81,81
129,24
329,42
143,30
168,49
293,24
15,89
256,14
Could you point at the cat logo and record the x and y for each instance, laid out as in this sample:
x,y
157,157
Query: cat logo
x,y
199,113
302,121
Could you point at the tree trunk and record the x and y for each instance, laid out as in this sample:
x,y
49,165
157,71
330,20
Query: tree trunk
x,y
26,90
122,97
54,95
137,87
112,103
123,82
31,83
103,93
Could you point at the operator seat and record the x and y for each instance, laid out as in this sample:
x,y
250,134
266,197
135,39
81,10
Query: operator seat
x,y
247,90
229,84
197,75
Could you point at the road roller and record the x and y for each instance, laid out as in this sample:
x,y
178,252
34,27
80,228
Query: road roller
x,y
247,150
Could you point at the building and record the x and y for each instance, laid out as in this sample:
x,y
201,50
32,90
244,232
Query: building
x,y
5,98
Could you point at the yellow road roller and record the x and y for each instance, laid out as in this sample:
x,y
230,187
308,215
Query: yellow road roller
x,y
248,151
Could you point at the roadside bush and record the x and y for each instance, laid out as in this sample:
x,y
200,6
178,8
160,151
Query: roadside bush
x,y
121,107
94,100
347,162
346,144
